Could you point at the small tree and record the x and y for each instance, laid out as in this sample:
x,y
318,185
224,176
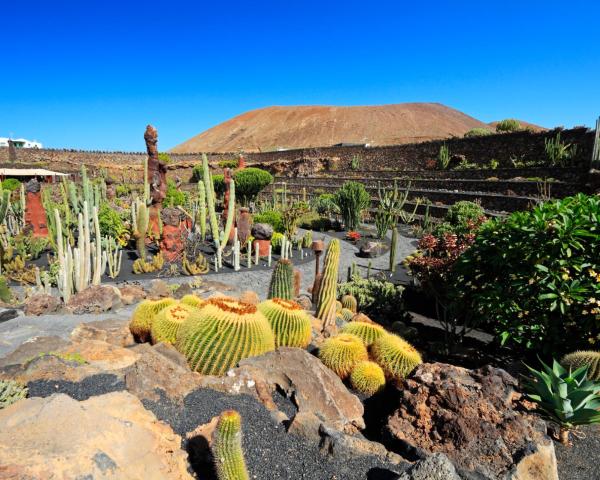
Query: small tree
x,y
508,125
352,199
249,182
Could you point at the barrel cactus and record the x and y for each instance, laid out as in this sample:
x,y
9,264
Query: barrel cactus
x,y
368,378
224,331
349,302
282,280
192,301
395,355
346,314
227,447
167,322
291,325
590,358
143,316
367,332
326,304
10,392
342,353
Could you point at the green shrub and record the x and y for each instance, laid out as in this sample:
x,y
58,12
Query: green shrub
x,y
249,182
535,276
219,184
197,173
123,190
272,217
276,240
111,223
478,132
463,213
233,163
351,199
508,125
174,197
11,184
375,297
164,158
324,204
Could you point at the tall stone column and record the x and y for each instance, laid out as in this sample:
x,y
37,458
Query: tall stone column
x,y
157,177
35,215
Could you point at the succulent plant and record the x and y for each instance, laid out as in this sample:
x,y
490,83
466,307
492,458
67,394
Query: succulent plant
x,y
367,332
282,280
227,447
395,355
10,392
197,266
224,331
342,353
564,397
367,377
326,304
291,325
579,359
346,314
143,266
143,316
338,306
167,322
349,302
193,301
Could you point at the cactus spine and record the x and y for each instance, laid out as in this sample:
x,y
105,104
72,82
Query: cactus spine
x,y
167,322
395,355
220,334
349,302
282,280
393,247
342,353
227,447
291,325
579,359
367,332
326,304
368,378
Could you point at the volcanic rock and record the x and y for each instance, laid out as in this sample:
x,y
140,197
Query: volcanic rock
x,y
96,299
42,304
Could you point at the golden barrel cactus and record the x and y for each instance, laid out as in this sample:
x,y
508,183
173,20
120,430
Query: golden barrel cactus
x,y
367,377
167,322
342,353
395,355
367,332
291,325
143,316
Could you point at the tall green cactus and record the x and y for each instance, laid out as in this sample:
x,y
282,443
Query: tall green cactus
x,y
393,247
223,332
230,215
326,304
4,204
579,359
140,220
210,198
291,325
202,209
282,280
227,447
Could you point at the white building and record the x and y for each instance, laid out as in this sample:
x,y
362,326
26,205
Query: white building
x,y
20,143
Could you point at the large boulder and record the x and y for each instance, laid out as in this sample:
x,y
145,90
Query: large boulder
x,y
96,299
42,304
114,331
107,436
471,416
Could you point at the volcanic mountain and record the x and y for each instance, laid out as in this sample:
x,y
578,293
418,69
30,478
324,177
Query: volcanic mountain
x,y
275,128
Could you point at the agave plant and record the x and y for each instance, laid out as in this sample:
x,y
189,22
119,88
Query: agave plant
x,y
565,397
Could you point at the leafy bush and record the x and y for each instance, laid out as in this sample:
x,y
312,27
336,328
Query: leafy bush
x,y
219,184
478,132
173,196
276,240
11,184
375,297
535,276
233,163
164,158
462,214
291,216
352,199
508,125
123,190
111,223
324,204
197,172
249,182
272,217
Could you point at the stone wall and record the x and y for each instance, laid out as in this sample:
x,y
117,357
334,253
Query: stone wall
x,y
524,146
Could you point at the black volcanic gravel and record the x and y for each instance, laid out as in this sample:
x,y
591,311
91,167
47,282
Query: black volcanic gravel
x,y
89,387
271,453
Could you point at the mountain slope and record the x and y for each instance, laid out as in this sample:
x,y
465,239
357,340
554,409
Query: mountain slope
x,y
318,126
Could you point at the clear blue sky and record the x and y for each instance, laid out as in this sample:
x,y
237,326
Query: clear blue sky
x,y
91,75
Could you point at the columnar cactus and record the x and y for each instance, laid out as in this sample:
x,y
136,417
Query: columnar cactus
x,y
291,325
167,322
282,280
210,198
10,392
202,209
395,355
342,353
349,302
220,334
367,332
326,304
368,378
143,316
227,447
140,216
579,359
393,248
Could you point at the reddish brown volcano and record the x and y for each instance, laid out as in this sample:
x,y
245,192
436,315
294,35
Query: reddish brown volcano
x,y
318,126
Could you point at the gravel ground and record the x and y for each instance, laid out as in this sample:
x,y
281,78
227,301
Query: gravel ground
x,y
580,461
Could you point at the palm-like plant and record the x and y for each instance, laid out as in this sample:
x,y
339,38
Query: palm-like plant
x,y
565,397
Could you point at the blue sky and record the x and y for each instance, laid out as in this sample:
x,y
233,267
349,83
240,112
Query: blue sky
x,y
91,75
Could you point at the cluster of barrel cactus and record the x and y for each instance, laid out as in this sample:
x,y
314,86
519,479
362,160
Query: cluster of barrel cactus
x,y
168,321
342,353
143,316
291,325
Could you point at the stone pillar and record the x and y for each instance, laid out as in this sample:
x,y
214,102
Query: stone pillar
x,y
157,177
172,241
35,215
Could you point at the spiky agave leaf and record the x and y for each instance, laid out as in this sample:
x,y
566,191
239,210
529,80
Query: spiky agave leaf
x,y
168,321
224,331
144,314
395,355
367,377
342,352
291,325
